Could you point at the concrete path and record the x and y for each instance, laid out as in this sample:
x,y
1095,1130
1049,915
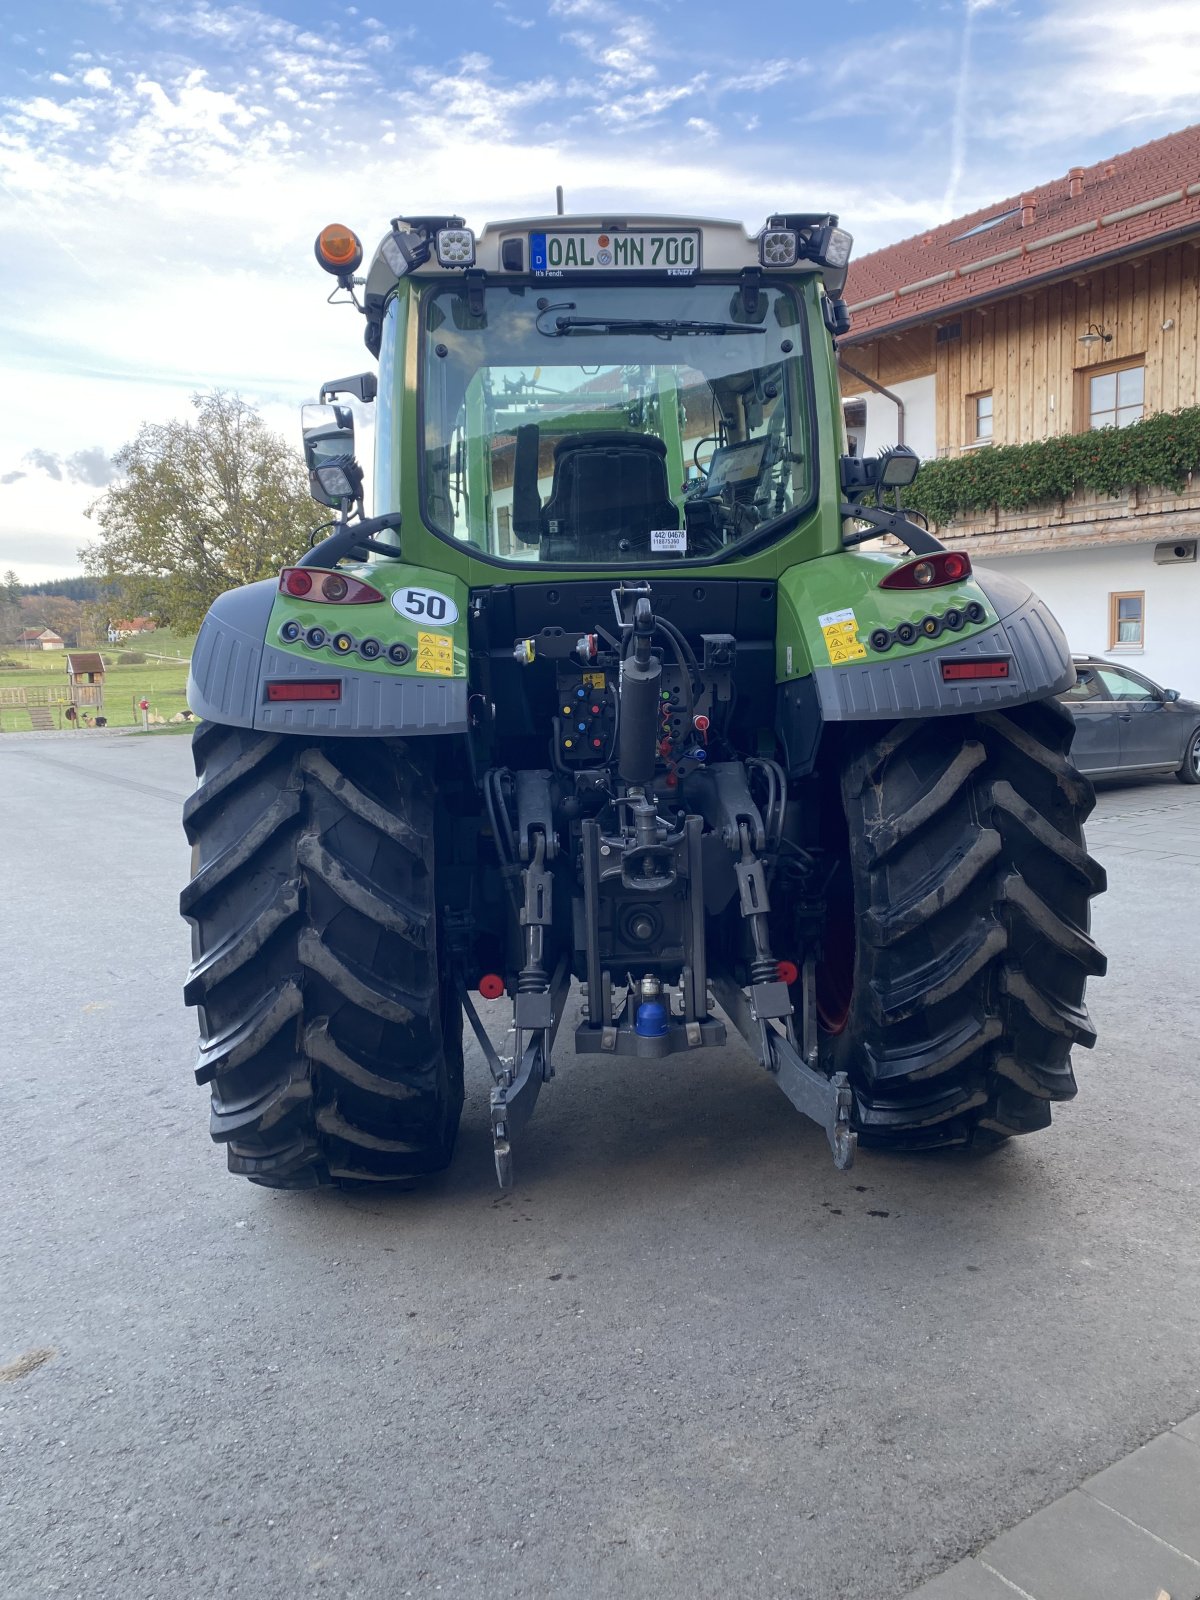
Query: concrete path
x,y
1131,1532
685,1358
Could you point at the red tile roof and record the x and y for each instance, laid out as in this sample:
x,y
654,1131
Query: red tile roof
x,y
1087,216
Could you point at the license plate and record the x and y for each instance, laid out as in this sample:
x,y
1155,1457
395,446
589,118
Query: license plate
x,y
676,253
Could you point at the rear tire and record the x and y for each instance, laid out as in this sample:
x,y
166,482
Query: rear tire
x,y
330,1036
1188,770
970,886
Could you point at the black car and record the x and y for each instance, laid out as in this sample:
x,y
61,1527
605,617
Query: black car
x,y
1126,724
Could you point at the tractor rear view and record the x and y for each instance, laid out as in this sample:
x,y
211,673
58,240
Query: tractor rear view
x,y
618,689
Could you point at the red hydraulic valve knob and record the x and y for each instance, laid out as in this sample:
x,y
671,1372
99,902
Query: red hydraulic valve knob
x,y
700,724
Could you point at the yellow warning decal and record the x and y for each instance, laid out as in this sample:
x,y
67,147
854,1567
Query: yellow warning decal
x,y
594,680
841,636
435,653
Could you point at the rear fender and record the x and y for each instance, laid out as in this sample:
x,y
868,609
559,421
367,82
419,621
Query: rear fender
x,y
240,650
834,606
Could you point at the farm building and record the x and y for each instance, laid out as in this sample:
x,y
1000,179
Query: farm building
x,y
129,628
39,639
1041,319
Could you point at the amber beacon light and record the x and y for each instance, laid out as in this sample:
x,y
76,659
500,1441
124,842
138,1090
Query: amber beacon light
x,y
339,249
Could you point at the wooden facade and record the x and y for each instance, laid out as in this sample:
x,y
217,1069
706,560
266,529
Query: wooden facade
x,y
1024,349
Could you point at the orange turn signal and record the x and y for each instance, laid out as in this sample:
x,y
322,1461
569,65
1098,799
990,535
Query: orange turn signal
x,y
338,249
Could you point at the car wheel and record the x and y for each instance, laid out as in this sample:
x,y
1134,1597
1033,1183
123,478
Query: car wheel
x,y
1188,770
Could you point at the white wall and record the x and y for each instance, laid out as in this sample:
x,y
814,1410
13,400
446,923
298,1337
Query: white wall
x,y
920,430
1076,585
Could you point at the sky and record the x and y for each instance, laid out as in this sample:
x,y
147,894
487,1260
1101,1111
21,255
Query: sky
x,y
165,166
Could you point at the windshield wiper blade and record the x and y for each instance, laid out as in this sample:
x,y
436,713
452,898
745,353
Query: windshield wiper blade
x,y
663,328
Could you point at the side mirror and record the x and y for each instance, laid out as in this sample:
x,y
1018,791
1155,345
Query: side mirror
x,y
333,473
1170,694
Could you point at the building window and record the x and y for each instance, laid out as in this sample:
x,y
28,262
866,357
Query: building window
x,y
981,415
1115,399
1127,620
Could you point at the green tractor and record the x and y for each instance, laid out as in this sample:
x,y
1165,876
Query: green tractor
x,y
635,681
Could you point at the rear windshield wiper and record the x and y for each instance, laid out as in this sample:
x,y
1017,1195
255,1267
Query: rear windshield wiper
x,y
661,328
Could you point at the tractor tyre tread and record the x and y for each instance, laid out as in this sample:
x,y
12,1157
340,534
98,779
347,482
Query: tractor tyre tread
x,y
329,1035
971,888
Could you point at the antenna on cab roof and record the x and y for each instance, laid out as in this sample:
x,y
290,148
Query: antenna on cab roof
x,y
558,198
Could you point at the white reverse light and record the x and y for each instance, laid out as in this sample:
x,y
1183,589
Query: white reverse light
x,y
455,247
838,245
777,247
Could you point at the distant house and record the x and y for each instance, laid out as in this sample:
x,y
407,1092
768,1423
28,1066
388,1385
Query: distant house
x,y
85,675
40,639
1039,318
129,628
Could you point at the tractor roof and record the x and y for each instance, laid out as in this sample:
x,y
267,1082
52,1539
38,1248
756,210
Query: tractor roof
x,y
508,247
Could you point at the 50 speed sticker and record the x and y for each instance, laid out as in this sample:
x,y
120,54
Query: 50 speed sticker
x,y
841,636
425,605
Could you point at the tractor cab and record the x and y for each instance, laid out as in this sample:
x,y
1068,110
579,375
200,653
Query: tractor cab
x,y
600,392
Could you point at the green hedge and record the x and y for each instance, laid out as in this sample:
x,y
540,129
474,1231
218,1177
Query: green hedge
x,y
1160,451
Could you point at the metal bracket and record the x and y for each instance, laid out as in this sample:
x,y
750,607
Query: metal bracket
x,y
919,540
515,1092
828,1101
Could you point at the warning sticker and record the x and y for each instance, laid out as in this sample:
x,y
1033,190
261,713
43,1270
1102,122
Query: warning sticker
x,y
841,636
435,653
594,680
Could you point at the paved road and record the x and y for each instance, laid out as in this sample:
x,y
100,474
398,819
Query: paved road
x,y
685,1357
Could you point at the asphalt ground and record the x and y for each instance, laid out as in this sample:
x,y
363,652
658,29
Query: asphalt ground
x,y
685,1357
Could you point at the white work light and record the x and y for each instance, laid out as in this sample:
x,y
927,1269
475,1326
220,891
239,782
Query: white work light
x,y
455,247
777,247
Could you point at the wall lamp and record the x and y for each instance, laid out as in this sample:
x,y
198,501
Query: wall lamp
x,y
1095,335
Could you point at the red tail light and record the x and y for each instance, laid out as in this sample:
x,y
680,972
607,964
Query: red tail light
x,y
326,588
305,689
956,671
929,572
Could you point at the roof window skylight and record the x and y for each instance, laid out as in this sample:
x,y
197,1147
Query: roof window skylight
x,y
982,227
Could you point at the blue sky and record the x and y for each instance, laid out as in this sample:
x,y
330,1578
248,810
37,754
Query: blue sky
x,y
165,165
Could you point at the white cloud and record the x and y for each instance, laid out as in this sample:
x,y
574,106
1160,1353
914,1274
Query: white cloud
x,y
1096,66
176,217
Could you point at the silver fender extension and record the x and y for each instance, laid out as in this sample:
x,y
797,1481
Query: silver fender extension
x,y
233,661
899,686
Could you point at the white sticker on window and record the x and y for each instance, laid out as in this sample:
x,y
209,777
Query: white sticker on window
x,y
669,539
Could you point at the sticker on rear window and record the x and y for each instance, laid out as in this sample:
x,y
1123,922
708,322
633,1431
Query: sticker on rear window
x,y
672,539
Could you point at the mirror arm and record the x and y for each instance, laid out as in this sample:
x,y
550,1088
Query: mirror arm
x,y
919,540
352,537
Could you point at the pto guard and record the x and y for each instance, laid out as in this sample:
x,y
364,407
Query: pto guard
x,y
232,663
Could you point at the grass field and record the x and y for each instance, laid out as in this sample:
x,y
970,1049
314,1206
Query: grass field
x,y
161,679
